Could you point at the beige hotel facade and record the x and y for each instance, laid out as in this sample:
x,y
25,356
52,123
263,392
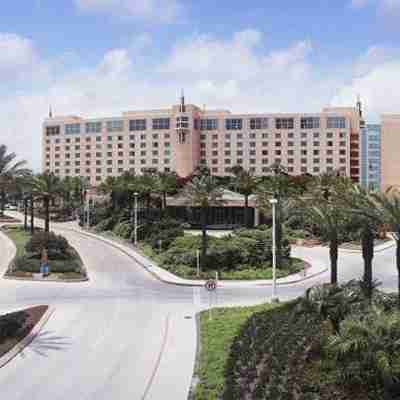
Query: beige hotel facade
x,y
184,136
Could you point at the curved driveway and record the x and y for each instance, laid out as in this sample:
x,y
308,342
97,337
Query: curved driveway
x,y
125,335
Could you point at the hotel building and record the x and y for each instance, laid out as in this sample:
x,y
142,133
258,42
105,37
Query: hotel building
x,y
184,136
390,151
370,146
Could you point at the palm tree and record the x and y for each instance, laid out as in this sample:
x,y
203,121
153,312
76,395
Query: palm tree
x,y
368,217
167,183
330,220
389,204
246,184
46,187
9,171
203,192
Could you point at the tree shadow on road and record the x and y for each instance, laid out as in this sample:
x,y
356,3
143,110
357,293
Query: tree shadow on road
x,y
46,341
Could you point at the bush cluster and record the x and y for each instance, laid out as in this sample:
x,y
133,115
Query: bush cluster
x,y
11,324
57,246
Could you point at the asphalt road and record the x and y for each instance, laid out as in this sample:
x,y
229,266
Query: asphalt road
x,y
125,335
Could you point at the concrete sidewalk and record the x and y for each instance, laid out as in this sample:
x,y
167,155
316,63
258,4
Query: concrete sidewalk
x,y
318,266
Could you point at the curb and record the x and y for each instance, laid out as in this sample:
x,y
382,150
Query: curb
x,y
20,346
377,249
52,280
193,283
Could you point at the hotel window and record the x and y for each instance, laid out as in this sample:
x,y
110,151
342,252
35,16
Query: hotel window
x,y
342,144
227,144
214,153
67,155
166,160
290,152
155,144
57,163
208,124
214,145
290,144
258,123
77,155
87,163
304,143
342,135
120,154
214,170
202,153
131,154
137,125
109,170
67,171
98,138
303,170
161,123
120,162
227,160
227,170
252,160
329,169
132,145
335,122
98,154
265,170
233,124
316,152
66,140
252,144
316,143
252,135
87,147
215,137
228,153
329,161
290,160
239,153
116,125
277,161
120,170
71,129
278,152
98,146
265,152
278,136
310,123
227,135
87,155
264,144
109,162
278,144
203,137
304,160
252,152
155,152
316,169
329,135
142,145
290,135
67,148
284,123
342,161
304,135
77,147
290,169
316,135
265,135
239,161
154,161
52,130
93,127
316,160
109,138
77,140
143,153
203,145
167,144
342,152
98,162
239,144
88,139
98,170
214,161
155,135
120,146
329,152
330,143
265,160
77,163
304,152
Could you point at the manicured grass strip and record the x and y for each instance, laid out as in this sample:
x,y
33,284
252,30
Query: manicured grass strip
x,y
19,237
216,337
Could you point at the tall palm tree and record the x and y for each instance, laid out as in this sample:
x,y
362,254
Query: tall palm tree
x,y
368,217
167,183
389,204
203,192
46,187
246,184
10,170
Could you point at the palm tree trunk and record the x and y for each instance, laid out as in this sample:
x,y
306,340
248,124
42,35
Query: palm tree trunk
x,y
398,269
3,202
246,211
32,216
46,202
25,213
333,253
164,200
367,242
204,233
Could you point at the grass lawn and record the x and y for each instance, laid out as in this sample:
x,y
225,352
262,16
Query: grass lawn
x,y
216,337
19,237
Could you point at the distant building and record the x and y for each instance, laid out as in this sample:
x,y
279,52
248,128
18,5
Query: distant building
x,y
184,136
370,149
390,151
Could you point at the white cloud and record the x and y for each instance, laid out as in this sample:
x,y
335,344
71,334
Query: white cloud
x,y
236,73
387,8
150,10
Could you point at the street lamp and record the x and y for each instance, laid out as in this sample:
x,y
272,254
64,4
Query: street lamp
x,y
274,297
136,194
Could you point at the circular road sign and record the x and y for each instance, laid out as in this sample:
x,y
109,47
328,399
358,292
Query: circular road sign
x,y
211,285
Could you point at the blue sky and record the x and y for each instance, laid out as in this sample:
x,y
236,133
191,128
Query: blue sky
x,y
101,57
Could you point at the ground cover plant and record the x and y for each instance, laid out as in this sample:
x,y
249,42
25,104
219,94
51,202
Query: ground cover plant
x,y
332,343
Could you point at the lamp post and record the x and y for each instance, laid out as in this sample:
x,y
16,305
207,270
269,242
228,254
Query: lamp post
x,y
136,217
274,298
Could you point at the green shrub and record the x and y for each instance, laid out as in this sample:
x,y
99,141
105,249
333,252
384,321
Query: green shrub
x,y
11,324
56,245
106,224
123,230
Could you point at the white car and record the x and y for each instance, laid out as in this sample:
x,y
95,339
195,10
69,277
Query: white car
x,y
11,207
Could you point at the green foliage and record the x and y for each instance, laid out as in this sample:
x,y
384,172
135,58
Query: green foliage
x,y
32,265
123,230
165,230
56,245
11,324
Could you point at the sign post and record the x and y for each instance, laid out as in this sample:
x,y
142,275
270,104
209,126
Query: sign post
x,y
211,286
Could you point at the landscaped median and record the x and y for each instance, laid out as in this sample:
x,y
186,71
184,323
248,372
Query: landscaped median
x,y
64,262
331,344
16,328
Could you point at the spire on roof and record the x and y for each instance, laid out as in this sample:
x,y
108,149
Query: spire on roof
x,y
182,105
50,112
359,105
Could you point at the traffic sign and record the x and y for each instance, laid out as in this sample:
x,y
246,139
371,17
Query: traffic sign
x,y
211,285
